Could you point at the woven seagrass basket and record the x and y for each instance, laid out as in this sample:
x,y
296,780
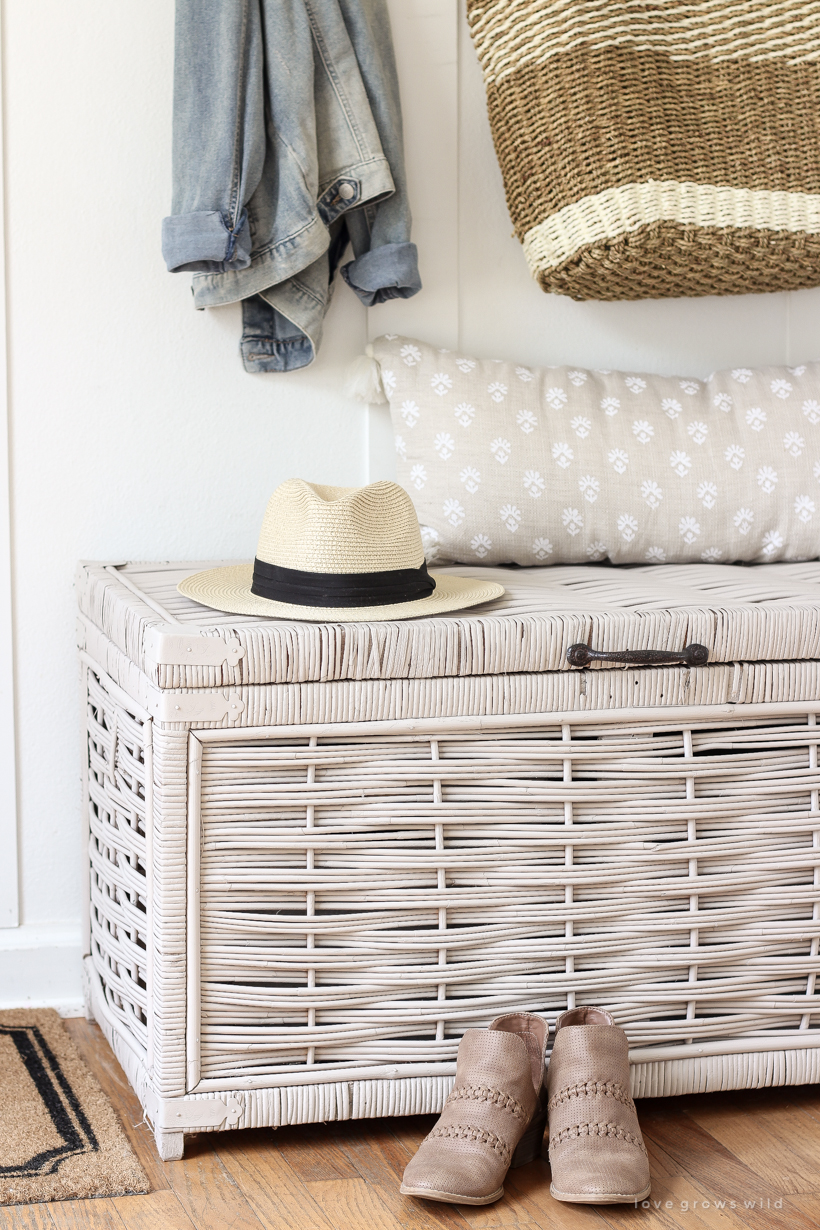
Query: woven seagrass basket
x,y
654,150
318,852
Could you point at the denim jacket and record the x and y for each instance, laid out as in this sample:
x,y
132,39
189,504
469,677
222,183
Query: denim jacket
x,y
287,147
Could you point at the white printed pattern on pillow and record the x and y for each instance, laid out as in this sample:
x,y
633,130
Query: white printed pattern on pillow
x,y
515,464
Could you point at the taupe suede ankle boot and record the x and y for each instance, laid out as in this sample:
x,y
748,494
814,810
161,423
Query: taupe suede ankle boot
x,y
493,1119
596,1150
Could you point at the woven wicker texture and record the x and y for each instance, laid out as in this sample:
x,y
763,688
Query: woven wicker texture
x,y
580,692
330,867
304,921
118,858
365,900
657,152
760,614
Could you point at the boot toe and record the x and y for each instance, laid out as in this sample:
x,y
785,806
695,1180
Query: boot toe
x,y
458,1175
585,1174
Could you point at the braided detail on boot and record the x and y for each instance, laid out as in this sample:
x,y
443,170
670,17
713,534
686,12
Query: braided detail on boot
x,y
488,1094
481,1136
596,1129
591,1089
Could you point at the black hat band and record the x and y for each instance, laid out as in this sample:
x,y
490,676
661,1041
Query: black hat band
x,y
342,589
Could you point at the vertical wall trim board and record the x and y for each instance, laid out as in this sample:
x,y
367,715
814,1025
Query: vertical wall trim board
x,y
426,38
9,870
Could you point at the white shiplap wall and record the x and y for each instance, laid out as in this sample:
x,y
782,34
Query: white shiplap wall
x,y
134,430
9,889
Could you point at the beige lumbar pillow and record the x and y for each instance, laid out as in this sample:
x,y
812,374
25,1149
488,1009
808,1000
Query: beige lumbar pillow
x,y
513,464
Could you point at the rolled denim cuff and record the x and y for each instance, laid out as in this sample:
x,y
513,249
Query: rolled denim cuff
x,y
389,272
270,341
205,242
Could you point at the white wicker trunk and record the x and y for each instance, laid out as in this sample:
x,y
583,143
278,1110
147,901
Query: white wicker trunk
x,y
319,852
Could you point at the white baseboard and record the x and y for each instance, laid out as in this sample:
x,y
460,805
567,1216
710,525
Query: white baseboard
x,y
41,967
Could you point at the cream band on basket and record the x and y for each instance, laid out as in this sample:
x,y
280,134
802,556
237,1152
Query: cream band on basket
x,y
337,553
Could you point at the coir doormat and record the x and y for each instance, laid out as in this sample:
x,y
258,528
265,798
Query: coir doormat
x,y
59,1136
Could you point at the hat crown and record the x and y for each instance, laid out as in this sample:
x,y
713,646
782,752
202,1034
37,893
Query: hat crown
x,y
314,528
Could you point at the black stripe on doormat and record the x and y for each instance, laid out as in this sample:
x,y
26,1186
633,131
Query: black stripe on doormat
x,y
59,1100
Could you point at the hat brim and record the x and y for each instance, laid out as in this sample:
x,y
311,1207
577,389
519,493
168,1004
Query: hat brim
x,y
229,589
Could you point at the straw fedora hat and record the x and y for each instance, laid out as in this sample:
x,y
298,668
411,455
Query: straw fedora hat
x,y
337,553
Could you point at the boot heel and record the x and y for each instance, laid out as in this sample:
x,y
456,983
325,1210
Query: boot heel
x,y
529,1146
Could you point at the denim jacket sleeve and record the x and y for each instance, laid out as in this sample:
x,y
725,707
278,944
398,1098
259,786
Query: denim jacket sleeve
x,y
385,264
287,142
219,134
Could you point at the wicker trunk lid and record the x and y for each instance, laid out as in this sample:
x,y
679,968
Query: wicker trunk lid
x,y
758,614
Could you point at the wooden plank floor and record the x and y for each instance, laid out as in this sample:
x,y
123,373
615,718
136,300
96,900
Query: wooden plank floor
x,y
759,1150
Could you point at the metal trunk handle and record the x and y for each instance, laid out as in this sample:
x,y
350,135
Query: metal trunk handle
x,y
692,655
